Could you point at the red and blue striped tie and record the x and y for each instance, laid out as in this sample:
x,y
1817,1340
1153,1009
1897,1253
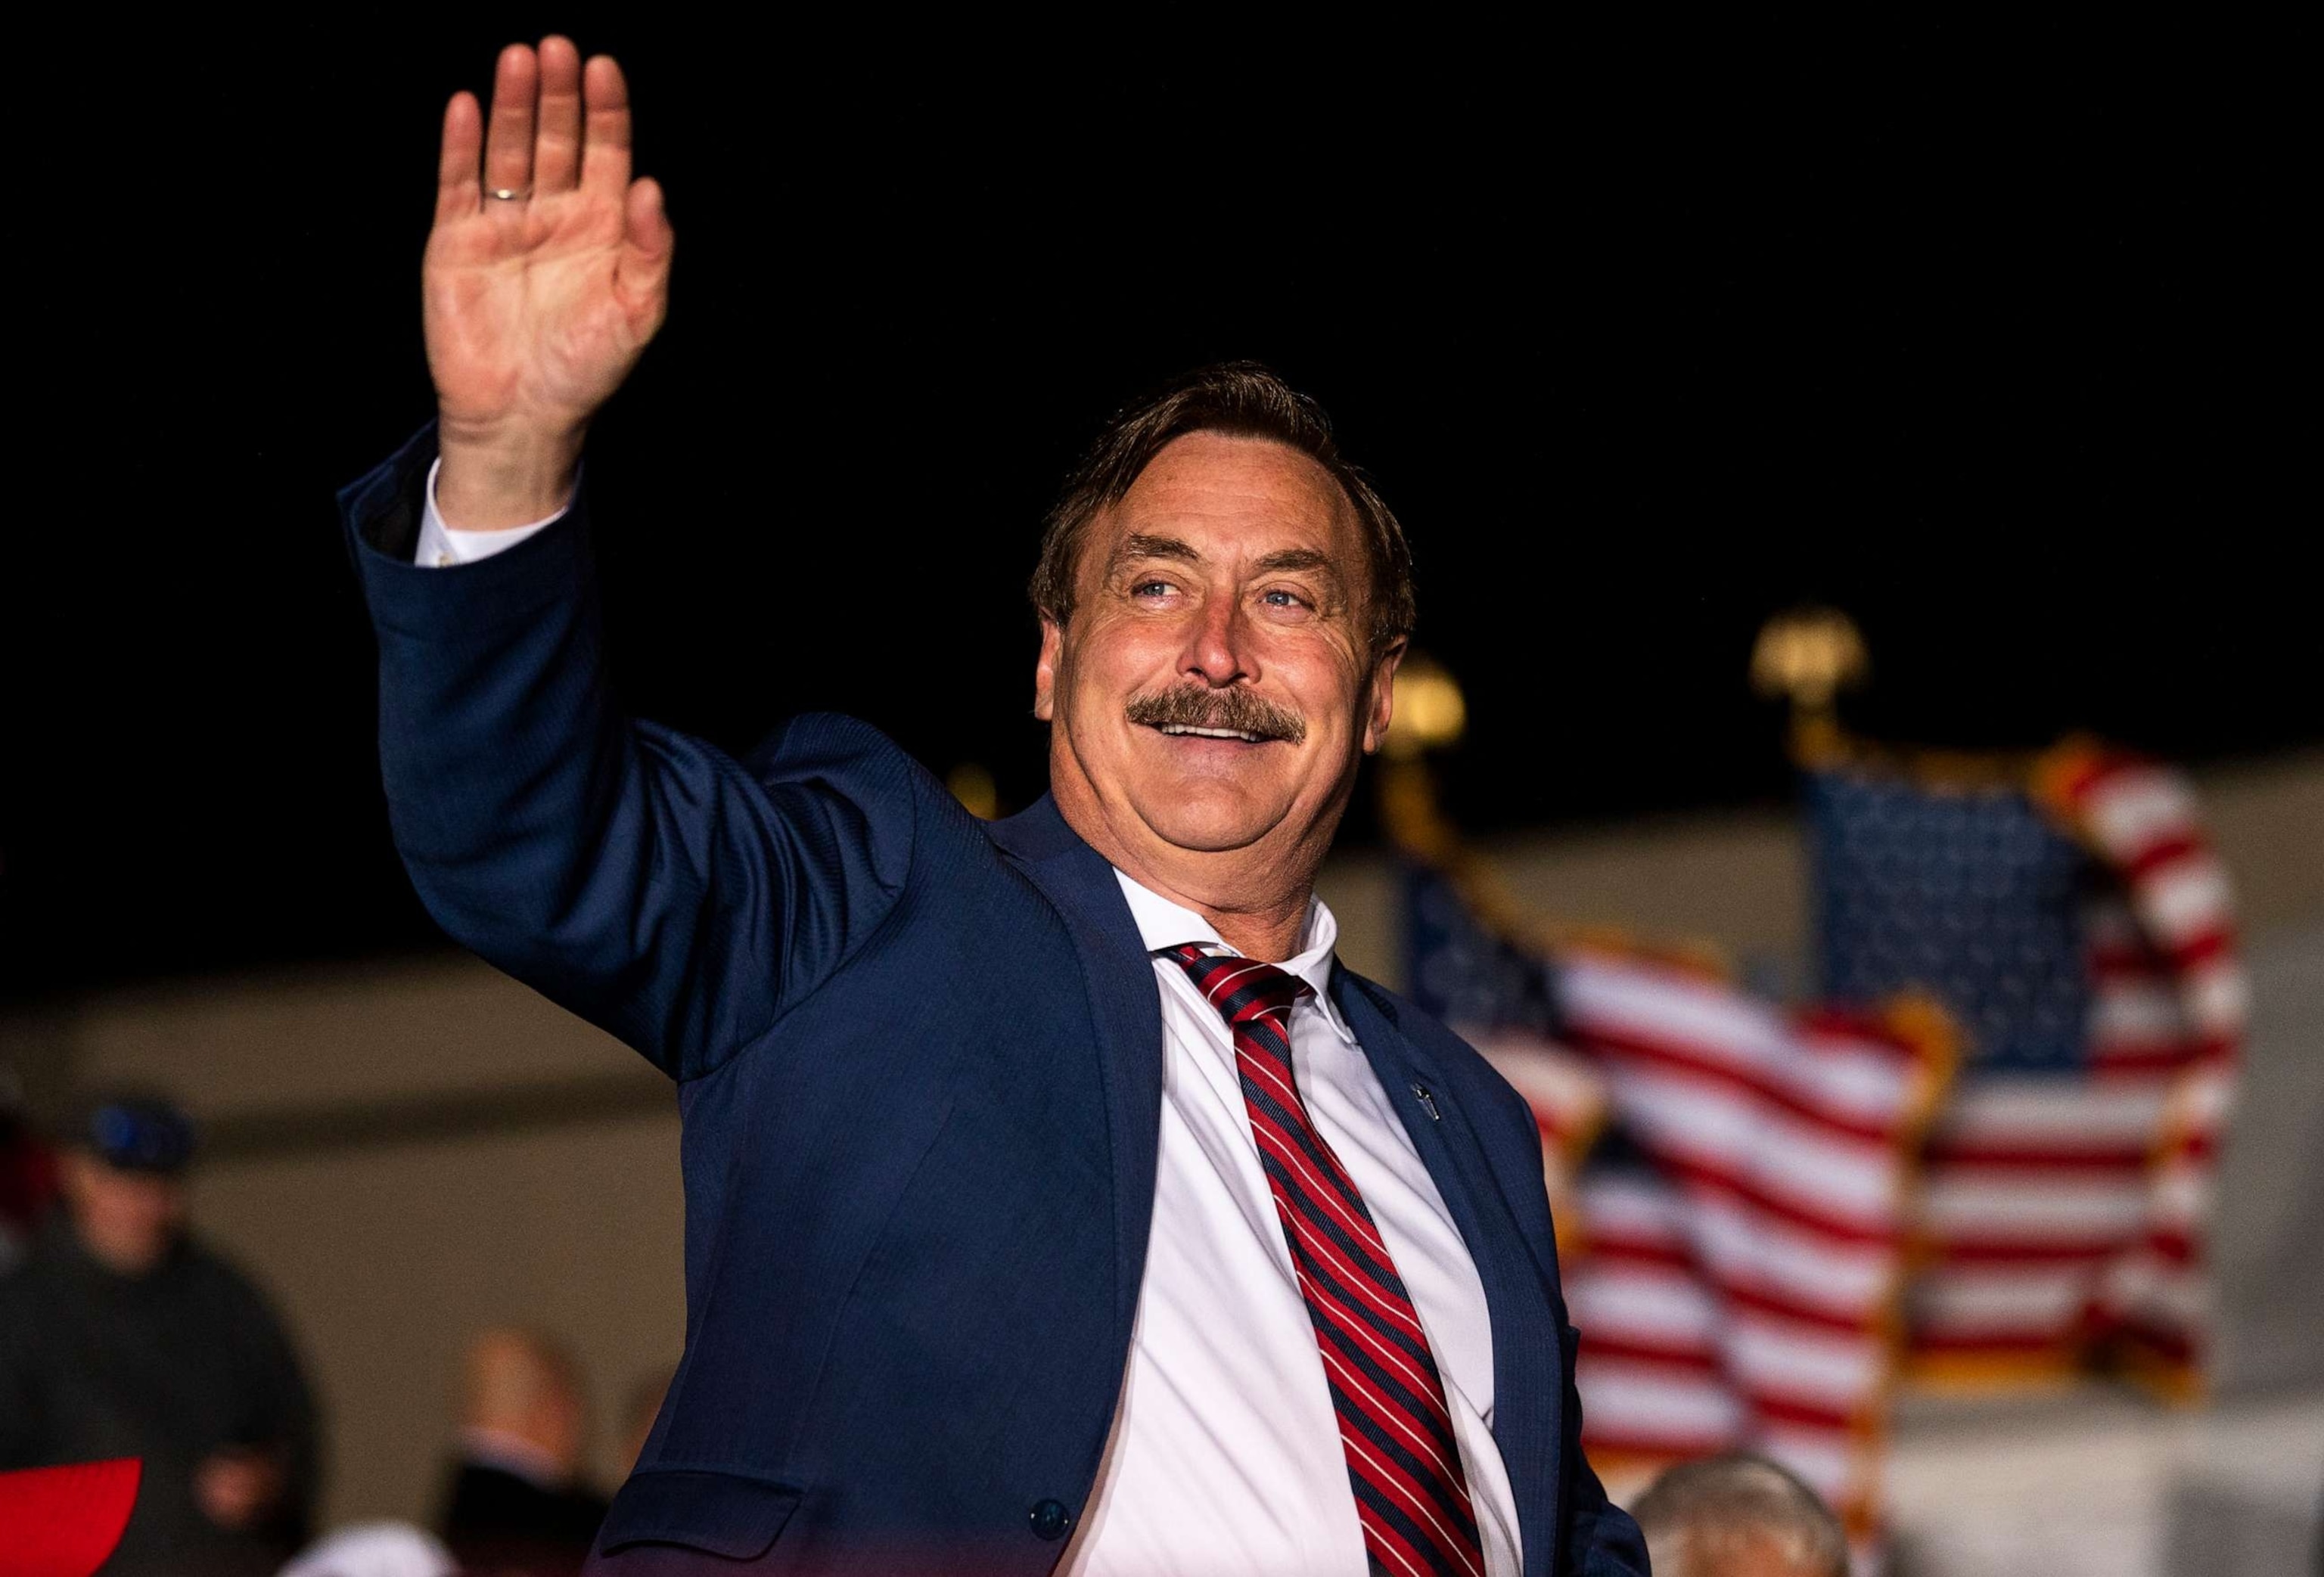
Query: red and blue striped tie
x,y
1403,1462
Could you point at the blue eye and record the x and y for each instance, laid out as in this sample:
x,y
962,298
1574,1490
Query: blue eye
x,y
1284,599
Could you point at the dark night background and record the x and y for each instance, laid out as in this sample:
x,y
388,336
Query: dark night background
x,y
1986,341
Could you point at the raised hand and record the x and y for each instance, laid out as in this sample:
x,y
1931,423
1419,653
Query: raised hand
x,y
547,272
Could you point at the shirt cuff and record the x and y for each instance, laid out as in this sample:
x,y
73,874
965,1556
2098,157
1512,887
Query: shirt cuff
x,y
442,547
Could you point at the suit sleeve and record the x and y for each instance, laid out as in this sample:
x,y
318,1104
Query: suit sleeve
x,y
638,876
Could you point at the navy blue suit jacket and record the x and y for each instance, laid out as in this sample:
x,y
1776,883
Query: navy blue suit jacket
x,y
919,1062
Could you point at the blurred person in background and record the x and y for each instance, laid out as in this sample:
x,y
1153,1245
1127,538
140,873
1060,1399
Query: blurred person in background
x,y
516,1502
1737,1515
122,1336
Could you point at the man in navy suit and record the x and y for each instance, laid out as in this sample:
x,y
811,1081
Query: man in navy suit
x,y
1054,1200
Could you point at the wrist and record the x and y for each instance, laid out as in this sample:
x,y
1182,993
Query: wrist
x,y
490,480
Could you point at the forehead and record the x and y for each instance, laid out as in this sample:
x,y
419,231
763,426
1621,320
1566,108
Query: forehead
x,y
1228,497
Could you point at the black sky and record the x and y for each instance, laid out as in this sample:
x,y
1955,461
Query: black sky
x,y
1988,341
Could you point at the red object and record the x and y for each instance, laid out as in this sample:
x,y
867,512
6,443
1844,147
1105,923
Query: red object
x,y
63,1522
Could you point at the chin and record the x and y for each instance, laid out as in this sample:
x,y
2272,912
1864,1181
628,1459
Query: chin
x,y
1207,818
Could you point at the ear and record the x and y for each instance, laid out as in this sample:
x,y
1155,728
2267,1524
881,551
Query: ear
x,y
1382,700
1044,669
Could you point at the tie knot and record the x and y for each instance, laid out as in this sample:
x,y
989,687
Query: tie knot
x,y
1239,988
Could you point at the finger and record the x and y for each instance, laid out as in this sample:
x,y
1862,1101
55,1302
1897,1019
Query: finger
x,y
456,192
606,149
642,273
557,147
508,138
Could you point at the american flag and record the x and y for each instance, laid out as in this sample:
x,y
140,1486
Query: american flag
x,y
2079,929
1734,1184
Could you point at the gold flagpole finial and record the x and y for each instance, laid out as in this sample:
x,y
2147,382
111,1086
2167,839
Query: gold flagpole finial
x,y
1430,712
1807,657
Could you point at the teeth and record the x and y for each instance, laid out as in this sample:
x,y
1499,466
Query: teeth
x,y
1210,732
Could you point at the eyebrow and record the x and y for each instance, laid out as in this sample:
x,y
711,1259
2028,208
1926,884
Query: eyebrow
x,y
1137,545
1297,558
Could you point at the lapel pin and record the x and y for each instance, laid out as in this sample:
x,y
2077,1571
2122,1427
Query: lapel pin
x,y
1428,1103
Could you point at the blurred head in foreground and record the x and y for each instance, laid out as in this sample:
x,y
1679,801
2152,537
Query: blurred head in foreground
x,y
1739,1515
123,1178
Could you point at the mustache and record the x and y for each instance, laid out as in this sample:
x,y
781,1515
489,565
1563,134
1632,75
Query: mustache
x,y
1237,711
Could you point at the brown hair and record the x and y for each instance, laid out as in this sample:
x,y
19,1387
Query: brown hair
x,y
1243,400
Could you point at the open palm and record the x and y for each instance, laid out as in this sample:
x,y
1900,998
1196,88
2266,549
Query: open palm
x,y
546,275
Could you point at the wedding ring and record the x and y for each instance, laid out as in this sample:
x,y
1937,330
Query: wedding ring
x,y
509,194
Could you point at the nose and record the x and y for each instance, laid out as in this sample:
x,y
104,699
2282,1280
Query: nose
x,y
1217,649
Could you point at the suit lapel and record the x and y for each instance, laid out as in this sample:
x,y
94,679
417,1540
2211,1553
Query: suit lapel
x,y
1128,1011
1528,1362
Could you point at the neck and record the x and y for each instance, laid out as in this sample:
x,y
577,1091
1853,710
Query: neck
x,y
1255,897
1269,933
130,1257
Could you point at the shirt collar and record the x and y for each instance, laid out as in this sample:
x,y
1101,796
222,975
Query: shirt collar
x,y
512,1454
1163,923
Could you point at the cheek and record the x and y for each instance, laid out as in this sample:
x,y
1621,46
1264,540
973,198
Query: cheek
x,y
1113,664
1330,694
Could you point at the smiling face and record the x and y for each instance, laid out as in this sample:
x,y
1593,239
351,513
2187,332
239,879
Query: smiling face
x,y
1214,688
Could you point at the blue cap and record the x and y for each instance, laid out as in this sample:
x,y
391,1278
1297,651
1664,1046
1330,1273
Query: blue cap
x,y
138,1133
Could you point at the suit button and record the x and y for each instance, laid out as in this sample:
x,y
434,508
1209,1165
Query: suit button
x,y
1050,1520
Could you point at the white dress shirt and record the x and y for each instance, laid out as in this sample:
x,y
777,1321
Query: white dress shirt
x,y
1225,1452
